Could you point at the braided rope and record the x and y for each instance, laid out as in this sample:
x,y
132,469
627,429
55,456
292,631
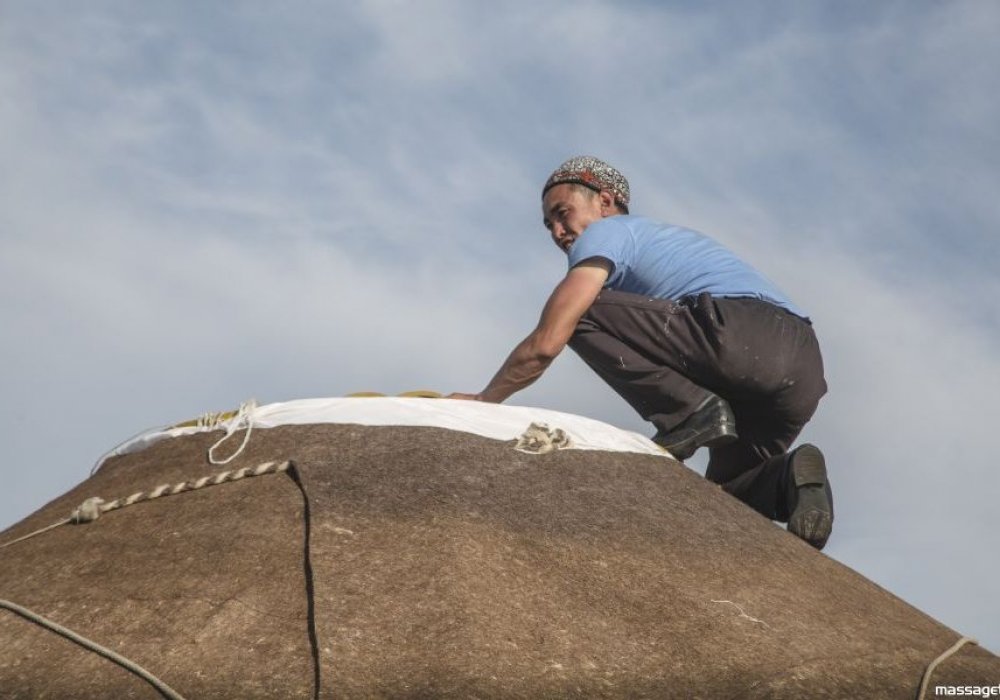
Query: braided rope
x,y
92,508
135,668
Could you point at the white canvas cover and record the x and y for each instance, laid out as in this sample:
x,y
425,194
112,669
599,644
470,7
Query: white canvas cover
x,y
497,421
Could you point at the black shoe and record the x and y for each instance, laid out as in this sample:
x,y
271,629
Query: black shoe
x,y
810,500
711,425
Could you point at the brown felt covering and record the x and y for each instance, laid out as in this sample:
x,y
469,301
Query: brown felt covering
x,y
447,565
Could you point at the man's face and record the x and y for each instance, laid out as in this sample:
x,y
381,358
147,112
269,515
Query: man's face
x,y
567,210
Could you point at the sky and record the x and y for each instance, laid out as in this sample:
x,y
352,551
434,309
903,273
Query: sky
x,y
202,203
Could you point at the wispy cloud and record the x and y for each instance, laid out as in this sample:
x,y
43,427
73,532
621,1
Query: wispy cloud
x,y
200,203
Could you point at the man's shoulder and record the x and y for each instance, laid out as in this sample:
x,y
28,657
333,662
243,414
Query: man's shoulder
x,y
626,235
636,224
646,233
629,220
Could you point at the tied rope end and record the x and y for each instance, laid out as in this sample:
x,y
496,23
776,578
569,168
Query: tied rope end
x,y
88,511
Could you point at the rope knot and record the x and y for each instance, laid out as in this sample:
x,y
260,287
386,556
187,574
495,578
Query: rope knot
x,y
539,438
88,511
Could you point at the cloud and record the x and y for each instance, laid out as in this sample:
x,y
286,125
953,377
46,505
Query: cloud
x,y
200,204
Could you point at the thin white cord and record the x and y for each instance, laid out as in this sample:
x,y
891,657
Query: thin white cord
x,y
244,416
37,532
206,421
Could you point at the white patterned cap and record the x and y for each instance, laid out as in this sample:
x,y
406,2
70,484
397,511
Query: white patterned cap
x,y
593,173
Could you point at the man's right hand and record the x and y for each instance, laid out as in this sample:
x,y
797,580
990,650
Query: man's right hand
x,y
465,397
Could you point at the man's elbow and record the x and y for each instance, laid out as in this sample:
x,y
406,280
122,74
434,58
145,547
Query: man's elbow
x,y
546,348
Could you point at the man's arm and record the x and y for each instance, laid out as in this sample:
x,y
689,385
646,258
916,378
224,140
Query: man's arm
x,y
568,302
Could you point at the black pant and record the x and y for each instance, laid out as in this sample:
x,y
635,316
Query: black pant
x,y
664,358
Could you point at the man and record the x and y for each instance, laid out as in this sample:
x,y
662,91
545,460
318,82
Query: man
x,y
694,339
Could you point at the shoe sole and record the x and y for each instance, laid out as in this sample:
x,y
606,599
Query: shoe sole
x,y
812,518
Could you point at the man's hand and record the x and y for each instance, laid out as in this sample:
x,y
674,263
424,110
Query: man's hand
x,y
466,397
567,304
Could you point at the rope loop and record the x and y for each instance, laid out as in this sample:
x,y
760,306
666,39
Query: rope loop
x,y
245,416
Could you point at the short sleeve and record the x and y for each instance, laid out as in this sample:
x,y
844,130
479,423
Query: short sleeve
x,y
609,239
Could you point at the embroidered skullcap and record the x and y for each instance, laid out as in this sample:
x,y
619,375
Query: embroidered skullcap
x,y
593,173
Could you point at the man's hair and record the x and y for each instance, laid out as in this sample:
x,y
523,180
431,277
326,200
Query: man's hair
x,y
591,193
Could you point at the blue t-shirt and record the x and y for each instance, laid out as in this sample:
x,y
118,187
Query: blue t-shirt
x,y
669,262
